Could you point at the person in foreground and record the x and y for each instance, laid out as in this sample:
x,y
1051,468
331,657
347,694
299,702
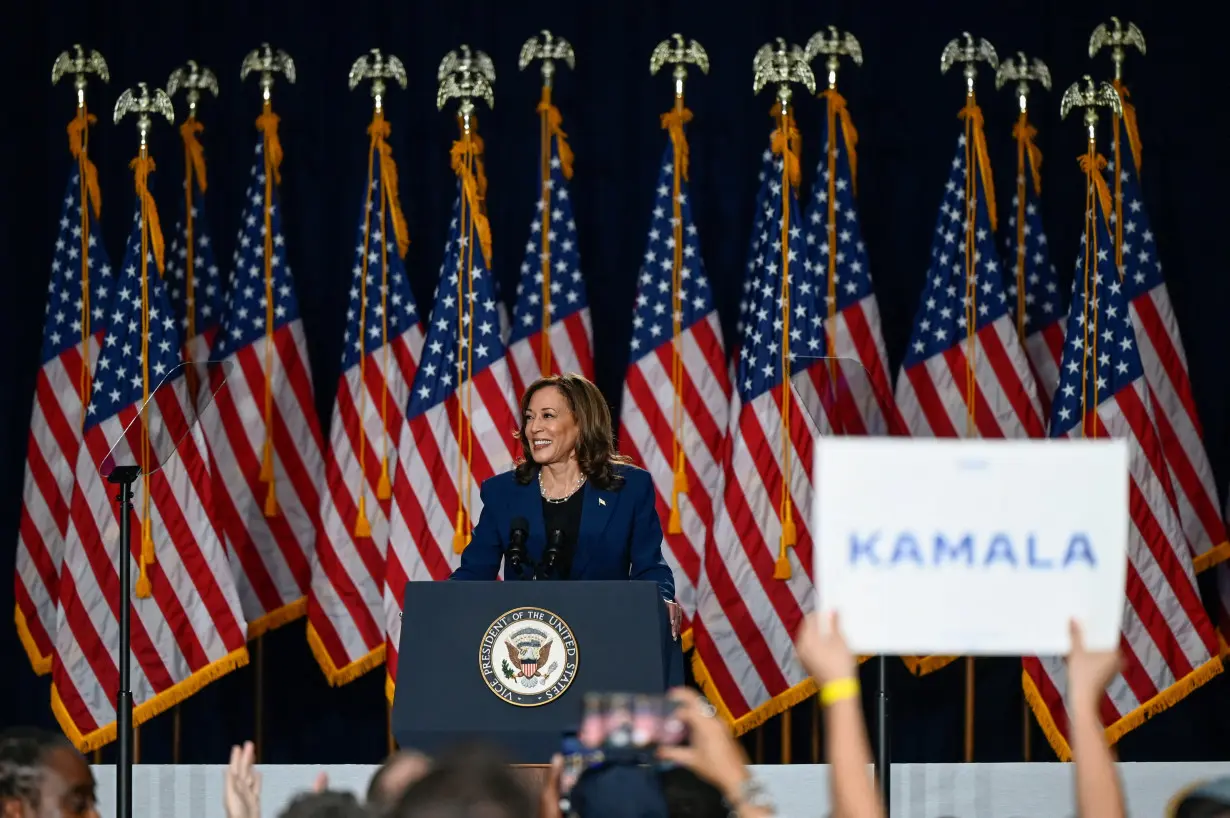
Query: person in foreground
x,y
43,776
571,489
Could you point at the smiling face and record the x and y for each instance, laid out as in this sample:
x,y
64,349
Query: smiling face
x,y
549,427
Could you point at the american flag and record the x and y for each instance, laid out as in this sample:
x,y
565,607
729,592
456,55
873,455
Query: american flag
x,y
1164,358
461,417
755,587
1036,307
837,262
676,392
956,382
194,280
1168,643
552,292
267,400
752,270
76,302
380,354
187,623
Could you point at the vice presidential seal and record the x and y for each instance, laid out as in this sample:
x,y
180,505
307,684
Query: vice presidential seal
x,y
528,657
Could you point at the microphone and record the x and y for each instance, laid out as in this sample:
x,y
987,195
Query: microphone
x,y
518,532
555,544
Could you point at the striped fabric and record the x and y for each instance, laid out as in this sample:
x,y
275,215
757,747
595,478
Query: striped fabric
x,y
551,291
460,420
262,428
77,297
676,394
1169,644
187,624
381,348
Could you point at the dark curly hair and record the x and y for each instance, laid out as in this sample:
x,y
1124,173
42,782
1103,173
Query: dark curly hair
x,y
596,453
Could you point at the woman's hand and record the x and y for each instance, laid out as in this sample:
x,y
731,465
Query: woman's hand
x,y
675,610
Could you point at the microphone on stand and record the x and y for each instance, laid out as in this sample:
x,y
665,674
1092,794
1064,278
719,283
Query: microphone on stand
x,y
516,554
555,544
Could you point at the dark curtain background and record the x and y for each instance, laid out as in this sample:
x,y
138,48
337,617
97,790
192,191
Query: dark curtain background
x,y
905,112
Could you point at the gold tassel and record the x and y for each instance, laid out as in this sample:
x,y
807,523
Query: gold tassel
x,y
267,460
271,501
781,568
461,537
790,536
143,585
362,528
147,541
673,524
384,488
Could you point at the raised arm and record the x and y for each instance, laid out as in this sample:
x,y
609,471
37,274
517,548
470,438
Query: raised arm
x,y
646,548
482,557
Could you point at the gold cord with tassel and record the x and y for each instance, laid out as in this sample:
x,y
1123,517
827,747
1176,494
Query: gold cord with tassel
x,y
88,193
267,124
474,224
673,122
151,238
786,143
977,164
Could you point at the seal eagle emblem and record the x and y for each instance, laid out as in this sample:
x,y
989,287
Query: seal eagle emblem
x,y
528,657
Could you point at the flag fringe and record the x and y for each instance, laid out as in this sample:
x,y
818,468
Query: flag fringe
x,y
922,665
1162,701
686,639
1214,556
390,687
40,664
277,618
338,676
147,710
775,706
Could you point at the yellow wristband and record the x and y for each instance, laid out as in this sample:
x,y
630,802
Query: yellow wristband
x,y
838,690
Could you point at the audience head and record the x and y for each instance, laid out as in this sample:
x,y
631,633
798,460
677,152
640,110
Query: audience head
x,y
1209,799
689,796
325,804
620,791
43,776
469,782
394,777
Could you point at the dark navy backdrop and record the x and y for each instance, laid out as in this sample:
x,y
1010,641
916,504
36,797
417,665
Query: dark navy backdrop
x,y
905,112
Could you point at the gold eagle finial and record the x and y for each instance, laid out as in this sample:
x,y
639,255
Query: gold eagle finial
x,y
833,44
548,48
377,67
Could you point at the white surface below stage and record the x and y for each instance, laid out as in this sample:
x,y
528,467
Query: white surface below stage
x,y
801,790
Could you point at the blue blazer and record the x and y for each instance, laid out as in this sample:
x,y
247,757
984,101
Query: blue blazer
x,y
620,535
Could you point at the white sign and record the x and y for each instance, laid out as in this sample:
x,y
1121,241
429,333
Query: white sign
x,y
971,547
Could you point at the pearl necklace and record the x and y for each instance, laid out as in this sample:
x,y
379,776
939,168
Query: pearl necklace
x,y
543,489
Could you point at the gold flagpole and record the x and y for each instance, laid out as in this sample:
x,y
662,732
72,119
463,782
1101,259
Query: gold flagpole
x,y
969,52
549,49
193,79
781,65
465,76
143,104
1119,39
80,64
1022,71
266,61
676,52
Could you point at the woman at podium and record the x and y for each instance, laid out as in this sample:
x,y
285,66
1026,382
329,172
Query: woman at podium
x,y
573,508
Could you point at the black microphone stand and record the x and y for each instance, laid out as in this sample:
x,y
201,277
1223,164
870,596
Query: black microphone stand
x,y
883,771
555,541
124,477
